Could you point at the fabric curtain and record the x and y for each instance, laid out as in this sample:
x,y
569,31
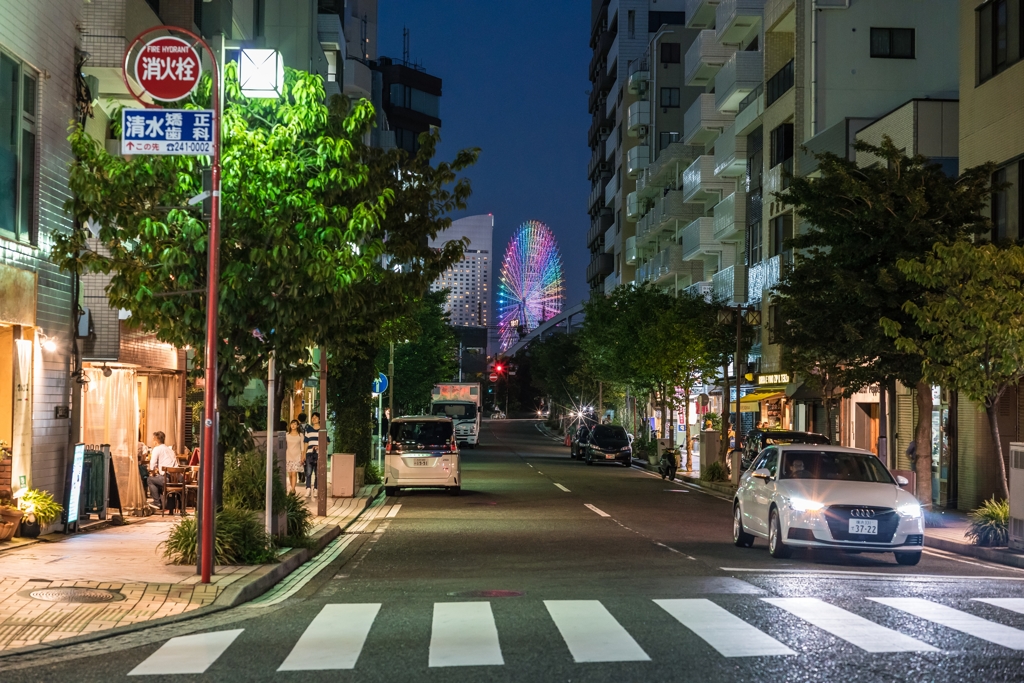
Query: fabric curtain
x,y
162,409
112,417
21,443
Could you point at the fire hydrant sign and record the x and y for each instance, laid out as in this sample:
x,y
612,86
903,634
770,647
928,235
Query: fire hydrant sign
x,y
167,131
167,68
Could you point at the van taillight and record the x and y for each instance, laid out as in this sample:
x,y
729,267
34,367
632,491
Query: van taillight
x,y
387,447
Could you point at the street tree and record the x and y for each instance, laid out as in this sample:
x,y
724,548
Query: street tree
x,y
970,324
857,223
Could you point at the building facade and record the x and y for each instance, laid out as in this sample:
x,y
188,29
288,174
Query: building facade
x,y
469,281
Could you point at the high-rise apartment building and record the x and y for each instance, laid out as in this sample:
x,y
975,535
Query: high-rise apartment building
x,y
469,280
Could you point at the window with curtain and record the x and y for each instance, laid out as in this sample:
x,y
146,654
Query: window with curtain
x,y
17,149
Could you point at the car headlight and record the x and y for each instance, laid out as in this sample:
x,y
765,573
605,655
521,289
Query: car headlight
x,y
804,505
624,448
910,509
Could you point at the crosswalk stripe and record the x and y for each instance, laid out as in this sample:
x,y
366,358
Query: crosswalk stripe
x,y
187,654
723,630
855,629
464,634
592,633
334,639
1012,604
957,620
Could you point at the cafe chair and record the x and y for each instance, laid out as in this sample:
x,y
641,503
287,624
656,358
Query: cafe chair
x,y
174,486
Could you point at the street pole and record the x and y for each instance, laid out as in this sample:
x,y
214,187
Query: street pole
x,y
321,461
380,428
739,350
270,441
391,385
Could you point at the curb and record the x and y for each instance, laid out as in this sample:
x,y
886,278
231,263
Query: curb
x,y
251,586
997,555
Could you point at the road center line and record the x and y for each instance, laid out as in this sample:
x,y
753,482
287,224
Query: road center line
x,y
678,552
597,510
563,488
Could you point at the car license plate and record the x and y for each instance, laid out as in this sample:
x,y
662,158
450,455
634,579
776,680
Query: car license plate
x,y
863,526
609,456
420,462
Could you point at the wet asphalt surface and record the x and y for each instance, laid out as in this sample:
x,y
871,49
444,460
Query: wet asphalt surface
x,y
513,530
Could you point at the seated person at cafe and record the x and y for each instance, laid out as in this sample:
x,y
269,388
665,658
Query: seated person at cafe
x,y
160,458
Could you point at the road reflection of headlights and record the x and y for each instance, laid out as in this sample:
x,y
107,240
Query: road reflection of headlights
x,y
804,505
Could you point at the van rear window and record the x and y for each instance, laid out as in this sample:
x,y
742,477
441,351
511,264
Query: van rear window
x,y
421,434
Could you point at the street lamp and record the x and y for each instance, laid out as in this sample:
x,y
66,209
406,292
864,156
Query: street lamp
x,y
261,73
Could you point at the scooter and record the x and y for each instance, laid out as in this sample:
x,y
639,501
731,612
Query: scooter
x,y
667,465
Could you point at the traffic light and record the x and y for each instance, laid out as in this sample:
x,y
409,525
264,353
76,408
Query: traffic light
x,y
498,368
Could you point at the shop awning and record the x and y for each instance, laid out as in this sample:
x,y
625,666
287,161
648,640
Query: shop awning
x,y
751,402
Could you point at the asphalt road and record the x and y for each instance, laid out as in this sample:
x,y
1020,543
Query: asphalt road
x,y
545,569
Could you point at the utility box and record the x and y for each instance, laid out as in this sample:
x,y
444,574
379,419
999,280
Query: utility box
x,y
343,475
709,443
1017,495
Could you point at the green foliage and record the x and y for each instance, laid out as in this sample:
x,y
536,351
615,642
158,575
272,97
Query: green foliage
x,y
372,474
240,539
245,483
715,419
990,523
41,504
970,322
300,519
714,471
560,370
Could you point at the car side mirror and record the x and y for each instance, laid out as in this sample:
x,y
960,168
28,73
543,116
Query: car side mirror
x,y
901,480
762,473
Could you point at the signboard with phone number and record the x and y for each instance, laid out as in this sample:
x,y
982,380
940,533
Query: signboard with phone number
x,y
167,131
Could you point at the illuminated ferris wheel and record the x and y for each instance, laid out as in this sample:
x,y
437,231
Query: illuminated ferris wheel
x,y
530,287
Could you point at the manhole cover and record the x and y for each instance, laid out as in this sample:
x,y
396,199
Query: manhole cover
x,y
75,595
486,594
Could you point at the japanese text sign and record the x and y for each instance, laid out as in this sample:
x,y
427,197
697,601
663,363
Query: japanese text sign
x,y
167,131
167,68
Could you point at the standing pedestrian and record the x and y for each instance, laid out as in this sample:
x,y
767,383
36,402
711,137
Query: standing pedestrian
x,y
312,455
295,453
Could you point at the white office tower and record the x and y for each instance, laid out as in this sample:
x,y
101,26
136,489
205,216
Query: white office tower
x,y
469,280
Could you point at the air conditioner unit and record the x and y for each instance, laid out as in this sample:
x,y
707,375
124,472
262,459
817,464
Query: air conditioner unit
x,y
641,131
604,166
604,132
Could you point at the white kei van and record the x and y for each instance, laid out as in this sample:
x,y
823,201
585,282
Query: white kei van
x,y
422,453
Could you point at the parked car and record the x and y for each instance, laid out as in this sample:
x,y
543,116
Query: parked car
x,y
758,439
608,443
422,453
803,495
578,441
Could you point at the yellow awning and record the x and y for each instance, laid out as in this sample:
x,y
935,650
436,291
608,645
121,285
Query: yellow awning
x,y
751,401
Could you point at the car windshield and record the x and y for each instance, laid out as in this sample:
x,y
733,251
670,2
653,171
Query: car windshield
x,y
463,411
610,433
422,434
834,466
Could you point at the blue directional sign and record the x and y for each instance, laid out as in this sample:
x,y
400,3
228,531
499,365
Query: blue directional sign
x,y
167,131
380,385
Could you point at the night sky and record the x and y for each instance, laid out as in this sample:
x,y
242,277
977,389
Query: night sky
x,y
515,85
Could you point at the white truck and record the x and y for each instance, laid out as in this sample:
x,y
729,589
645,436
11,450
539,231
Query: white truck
x,y
461,401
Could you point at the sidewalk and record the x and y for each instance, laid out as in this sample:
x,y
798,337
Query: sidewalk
x,y
118,577
951,538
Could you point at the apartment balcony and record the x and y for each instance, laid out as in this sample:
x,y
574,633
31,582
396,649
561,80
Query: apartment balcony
x,y
698,239
610,283
762,277
641,183
637,159
741,74
700,13
610,145
595,197
598,225
700,184
600,266
639,76
705,57
597,166
751,109
668,168
638,114
737,19
600,127
610,191
609,238
601,46
730,284
730,154
630,251
777,179
667,215
731,217
702,123
701,290
632,207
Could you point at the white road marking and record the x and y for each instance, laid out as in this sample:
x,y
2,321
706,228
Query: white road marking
x,y
187,654
978,563
1012,604
597,510
393,512
334,639
464,634
680,552
723,630
294,582
529,465
592,633
853,628
898,577
957,620
563,488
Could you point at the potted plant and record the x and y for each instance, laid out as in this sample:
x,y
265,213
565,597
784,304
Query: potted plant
x,y
40,510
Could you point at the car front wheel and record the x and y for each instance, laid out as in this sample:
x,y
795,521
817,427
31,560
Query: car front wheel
x,y
740,537
776,546
909,559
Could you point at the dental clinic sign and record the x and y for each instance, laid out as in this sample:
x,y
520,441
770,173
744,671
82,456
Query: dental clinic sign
x,y
168,68
167,131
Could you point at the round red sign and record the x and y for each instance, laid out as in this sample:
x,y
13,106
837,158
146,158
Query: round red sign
x,y
167,68
493,377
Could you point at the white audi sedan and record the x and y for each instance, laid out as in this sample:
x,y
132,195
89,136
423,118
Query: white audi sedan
x,y
826,497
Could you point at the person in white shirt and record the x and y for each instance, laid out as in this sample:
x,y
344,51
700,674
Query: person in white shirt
x,y
161,457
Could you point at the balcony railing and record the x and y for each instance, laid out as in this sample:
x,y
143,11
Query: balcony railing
x,y
637,159
762,277
698,238
730,154
779,84
731,217
730,284
700,13
702,122
705,57
600,265
667,170
595,196
630,250
632,207
740,75
700,184
669,213
610,145
702,290
610,190
609,238
610,283
638,114
736,19
777,179
639,75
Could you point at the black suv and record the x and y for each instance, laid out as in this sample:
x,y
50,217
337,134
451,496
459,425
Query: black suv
x,y
758,439
608,443
578,441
